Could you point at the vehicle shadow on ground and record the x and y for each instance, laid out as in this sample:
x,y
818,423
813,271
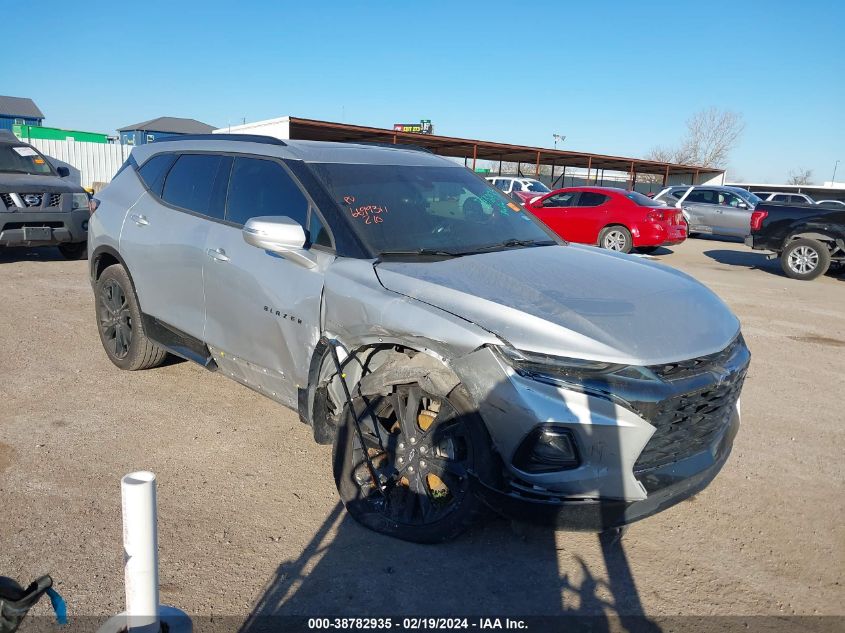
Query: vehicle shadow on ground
x,y
496,570
9,254
748,259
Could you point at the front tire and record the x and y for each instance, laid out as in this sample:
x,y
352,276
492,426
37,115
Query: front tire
x,y
616,238
429,446
805,259
75,250
119,322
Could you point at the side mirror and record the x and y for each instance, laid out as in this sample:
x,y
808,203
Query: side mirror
x,y
742,205
63,172
280,235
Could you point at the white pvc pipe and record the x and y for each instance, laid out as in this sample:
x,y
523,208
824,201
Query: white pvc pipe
x,y
140,545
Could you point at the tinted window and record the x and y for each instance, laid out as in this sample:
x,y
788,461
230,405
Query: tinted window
x,y
317,233
702,196
591,199
197,182
565,199
154,170
780,198
263,187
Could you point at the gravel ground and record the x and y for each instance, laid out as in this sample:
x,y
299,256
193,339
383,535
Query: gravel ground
x,y
249,521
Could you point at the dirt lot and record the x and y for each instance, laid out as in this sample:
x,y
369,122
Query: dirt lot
x,y
249,517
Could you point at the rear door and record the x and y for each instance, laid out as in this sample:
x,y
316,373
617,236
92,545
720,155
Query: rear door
x,y
164,234
701,207
262,310
553,212
586,219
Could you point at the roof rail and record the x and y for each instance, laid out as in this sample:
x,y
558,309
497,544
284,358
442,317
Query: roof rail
x,y
243,138
416,148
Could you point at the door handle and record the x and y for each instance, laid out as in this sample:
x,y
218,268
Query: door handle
x,y
217,254
140,220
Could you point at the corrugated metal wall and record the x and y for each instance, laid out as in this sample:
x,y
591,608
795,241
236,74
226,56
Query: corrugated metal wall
x,y
94,162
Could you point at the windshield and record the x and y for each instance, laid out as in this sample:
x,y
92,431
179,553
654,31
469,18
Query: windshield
x,y
403,209
747,196
23,159
536,185
643,201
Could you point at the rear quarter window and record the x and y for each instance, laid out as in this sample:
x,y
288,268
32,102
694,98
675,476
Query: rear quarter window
x,y
197,182
154,170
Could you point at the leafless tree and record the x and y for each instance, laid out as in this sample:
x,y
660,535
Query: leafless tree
x,y
711,135
800,176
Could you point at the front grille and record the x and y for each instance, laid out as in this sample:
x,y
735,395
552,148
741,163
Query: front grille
x,y
7,200
689,423
699,408
55,199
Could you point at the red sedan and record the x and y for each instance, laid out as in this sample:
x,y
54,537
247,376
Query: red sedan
x,y
615,219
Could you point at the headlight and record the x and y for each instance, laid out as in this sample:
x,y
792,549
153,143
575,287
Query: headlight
x,y
608,380
80,201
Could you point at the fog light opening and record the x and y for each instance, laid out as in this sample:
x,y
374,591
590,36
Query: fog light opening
x,y
547,449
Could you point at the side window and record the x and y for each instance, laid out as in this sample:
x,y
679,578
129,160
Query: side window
x,y
780,198
566,199
701,196
261,187
317,233
798,200
197,182
591,199
154,170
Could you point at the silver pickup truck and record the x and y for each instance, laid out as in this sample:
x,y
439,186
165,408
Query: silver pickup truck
x,y
459,356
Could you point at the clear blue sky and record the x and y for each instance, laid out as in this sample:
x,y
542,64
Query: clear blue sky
x,y
614,77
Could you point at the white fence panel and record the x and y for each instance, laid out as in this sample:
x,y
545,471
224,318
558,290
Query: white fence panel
x,y
89,162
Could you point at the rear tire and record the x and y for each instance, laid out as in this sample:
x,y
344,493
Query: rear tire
x,y
616,238
430,497
75,250
120,325
805,259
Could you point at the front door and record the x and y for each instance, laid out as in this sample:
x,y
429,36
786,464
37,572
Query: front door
x,y
262,310
553,212
733,218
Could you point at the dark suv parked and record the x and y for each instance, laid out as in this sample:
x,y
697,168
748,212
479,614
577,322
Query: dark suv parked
x,y
38,207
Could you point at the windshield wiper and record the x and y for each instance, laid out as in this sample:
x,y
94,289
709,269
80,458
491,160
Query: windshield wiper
x,y
424,252
512,243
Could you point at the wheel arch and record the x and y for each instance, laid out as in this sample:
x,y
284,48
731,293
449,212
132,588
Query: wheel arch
x,y
367,366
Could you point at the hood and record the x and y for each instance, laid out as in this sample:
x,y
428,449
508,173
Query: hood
x,y
575,301
26,183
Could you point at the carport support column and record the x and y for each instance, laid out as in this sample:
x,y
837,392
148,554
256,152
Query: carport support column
x,y
666,177
537,169
474,156
589,167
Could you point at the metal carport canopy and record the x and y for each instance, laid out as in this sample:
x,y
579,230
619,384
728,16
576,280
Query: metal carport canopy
x,y
310,129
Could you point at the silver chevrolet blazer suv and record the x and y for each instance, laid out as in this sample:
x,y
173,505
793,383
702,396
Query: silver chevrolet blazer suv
x,y
461,358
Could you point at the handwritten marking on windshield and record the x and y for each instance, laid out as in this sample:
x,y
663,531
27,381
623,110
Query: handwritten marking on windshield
x,y
369,213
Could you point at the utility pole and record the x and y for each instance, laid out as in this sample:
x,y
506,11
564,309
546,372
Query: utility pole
x,y
558,137
835,165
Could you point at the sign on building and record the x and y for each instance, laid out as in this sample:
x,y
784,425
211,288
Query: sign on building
x,y
423,127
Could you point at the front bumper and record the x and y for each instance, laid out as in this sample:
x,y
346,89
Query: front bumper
x,y
42,228
666,444
666,487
